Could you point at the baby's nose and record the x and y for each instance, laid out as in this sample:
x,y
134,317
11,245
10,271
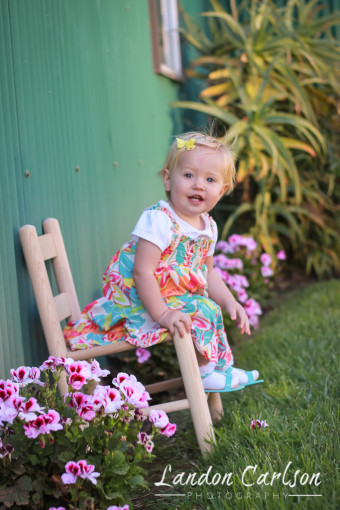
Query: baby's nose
x,y
199,183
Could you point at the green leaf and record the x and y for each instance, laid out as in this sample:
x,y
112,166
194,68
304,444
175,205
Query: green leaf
x,y
118,463
65,456
210,109
138,481
116,497
34,459
18,494
233,29
299,123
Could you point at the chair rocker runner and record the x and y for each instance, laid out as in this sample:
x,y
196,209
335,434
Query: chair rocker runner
x,y
53,309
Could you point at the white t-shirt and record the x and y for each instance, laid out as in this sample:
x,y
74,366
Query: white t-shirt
x,y
156,226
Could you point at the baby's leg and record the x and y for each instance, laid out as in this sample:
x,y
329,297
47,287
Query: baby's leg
x,y
211,378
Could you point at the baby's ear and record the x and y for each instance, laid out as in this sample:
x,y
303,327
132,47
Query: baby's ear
x,y
166,179
224,189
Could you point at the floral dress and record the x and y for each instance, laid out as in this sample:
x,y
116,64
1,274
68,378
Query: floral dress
x,y
181,276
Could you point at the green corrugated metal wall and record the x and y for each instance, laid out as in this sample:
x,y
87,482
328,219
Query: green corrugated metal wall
x,y
77,90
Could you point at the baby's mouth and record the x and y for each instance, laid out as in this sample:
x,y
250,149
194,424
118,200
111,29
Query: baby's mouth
x,y
196,198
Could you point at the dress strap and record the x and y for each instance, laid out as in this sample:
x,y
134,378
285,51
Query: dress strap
x,y
211,222
175,226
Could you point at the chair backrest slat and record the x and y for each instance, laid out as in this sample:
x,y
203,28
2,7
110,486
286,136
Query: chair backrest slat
x,y
61,266
47,246
62,306
42,290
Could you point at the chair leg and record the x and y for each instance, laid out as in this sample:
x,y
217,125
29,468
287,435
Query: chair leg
x,y
215,406
195,392
62,384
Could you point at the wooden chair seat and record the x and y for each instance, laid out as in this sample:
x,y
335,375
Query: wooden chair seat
x,y
65,306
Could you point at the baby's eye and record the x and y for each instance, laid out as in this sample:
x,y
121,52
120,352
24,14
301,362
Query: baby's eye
x,y
210,179
188,175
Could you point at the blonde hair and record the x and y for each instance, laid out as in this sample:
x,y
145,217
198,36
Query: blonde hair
x,y
203,140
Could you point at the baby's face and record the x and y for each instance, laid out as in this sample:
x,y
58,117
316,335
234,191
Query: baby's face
x,y
197,183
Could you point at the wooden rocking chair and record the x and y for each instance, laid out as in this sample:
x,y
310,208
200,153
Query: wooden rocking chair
x,y
65,305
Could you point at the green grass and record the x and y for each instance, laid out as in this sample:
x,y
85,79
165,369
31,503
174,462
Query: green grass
x,y
296,352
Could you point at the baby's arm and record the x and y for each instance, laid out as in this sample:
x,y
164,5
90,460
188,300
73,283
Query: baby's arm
x,y
219,292
146,261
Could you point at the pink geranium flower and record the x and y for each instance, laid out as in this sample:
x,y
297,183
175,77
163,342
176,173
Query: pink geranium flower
x,y
87,471
80,373
72,472
133,391
121,377
237,241
159,418
257,424
242,296
83,405
266,259
97,372
225,263
241,281
169,430
234,283
8,413
281,255
114,507
7,389
25,375
5,449
28,410
107,398
142,355
49,364
77,381
149,446
81,469
224,247
266,271
253,321
146,441
44,424
252,307
52,363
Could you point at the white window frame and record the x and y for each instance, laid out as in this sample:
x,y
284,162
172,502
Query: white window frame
x,y
166,46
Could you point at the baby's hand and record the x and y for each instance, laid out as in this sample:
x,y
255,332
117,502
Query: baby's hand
x,y
174,319
236,311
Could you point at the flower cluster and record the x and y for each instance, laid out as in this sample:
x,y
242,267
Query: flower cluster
x,y
5,449
101,428
160,420
43,424
80,468
257,424
125,507
245,269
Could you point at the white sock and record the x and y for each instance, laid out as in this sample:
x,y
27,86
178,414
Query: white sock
x,y
207,368
242,376
216,381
